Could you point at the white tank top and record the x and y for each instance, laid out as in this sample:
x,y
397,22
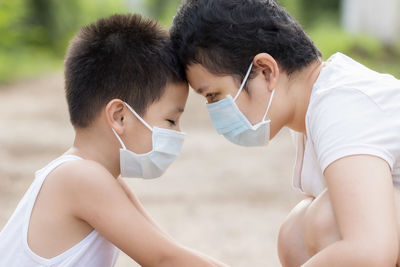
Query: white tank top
x,y
94,250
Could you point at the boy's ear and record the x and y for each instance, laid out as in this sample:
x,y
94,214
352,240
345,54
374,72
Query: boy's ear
x,y
265,63
115,114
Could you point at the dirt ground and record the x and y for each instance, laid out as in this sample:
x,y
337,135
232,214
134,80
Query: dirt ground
x,y
218,198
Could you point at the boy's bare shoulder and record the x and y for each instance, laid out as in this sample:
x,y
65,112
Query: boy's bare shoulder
x,y
80,175
87,190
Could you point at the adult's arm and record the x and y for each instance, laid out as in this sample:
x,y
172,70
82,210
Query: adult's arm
x,y
361,191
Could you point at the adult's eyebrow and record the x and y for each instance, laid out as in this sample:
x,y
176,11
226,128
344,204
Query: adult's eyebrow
x,y
201,90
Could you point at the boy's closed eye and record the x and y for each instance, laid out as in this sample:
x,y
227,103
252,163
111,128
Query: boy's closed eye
x,y
171,122
173,118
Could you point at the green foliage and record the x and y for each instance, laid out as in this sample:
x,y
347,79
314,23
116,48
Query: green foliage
x,y
314,10
162,10
293,7
331,38
27,62
309,12
35,33
11,24
320,18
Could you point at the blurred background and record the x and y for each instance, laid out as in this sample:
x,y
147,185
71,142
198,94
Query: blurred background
x,y
221,199
33,31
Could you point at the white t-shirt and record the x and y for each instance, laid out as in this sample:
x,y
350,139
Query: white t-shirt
x,y
352,110
92,251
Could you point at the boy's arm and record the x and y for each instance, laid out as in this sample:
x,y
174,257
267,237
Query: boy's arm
x,y
141,209
97,198
361,190
132,197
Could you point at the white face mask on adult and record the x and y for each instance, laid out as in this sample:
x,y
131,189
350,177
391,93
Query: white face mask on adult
x,y
233,124
167,145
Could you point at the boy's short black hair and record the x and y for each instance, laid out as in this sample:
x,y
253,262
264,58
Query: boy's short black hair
x,y
225,35
123,56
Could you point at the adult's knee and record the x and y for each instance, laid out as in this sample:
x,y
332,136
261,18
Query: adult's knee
x,y
285,244
291,247
319,225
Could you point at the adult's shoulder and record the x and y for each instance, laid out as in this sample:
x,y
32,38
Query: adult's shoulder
x,y
346,121
343,75
343,103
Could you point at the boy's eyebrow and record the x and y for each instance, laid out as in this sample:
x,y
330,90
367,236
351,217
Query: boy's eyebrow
x,y
174,111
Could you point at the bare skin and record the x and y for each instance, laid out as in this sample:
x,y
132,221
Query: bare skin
x,y
364,210
311,227
360,187
81,196
292,249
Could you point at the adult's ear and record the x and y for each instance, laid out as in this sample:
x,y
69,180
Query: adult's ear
x,y
115,114
269,68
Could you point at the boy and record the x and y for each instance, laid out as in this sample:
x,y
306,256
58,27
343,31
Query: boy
x,y
260,72
124,89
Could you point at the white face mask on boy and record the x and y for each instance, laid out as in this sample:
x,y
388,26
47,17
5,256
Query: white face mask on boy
x,y
167,145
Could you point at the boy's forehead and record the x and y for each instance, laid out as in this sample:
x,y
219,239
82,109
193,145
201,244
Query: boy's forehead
x,y
176,88
176,93
172,101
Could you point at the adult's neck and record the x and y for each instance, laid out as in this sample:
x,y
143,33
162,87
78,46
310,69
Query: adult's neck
x,y
300,86
93,143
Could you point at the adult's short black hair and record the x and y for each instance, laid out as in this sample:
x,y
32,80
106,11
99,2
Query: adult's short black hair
x,y
225,35
123,56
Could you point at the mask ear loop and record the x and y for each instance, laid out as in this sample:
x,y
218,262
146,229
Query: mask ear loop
x,y
119,139
269,104
244,82
137,116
